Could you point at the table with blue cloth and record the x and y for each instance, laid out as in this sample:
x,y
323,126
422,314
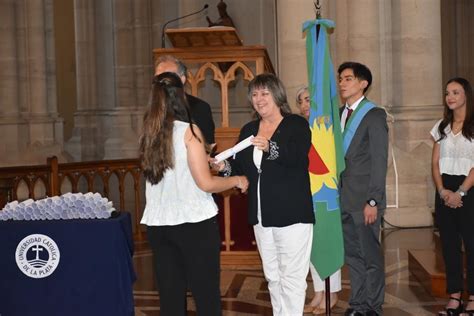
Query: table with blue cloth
x,y
67,267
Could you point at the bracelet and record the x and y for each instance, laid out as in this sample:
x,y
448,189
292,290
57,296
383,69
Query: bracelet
x,y
440,191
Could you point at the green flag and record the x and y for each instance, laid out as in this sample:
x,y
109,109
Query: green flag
x,y
326,155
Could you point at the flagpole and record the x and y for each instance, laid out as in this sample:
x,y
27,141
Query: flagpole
x,y
317,6
328,296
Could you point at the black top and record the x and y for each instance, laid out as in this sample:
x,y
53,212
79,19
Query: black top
x,y
284,179
202,117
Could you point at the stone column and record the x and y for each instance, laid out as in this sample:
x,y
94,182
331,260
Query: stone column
x,y
417,104
133,72
292,44
358,38
85,140
85,54
114,73
29,116
131,34
9,111
35,57
128,47
8,61
44,125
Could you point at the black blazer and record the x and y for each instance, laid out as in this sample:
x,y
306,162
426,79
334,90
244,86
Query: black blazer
x,y
366,164
284,179
202,115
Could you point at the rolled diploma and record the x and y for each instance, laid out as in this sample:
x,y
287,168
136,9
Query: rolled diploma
x,y
234,150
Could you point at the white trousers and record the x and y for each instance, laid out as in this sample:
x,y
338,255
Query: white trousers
x,y
285,253
319,285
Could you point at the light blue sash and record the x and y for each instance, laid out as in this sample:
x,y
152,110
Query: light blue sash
x,y
354,122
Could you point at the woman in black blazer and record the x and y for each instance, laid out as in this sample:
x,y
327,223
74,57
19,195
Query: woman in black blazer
x,y
279,199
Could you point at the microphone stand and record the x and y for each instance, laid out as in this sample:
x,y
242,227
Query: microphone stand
x,y
178,18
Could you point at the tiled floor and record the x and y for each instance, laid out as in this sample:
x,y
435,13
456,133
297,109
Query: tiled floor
x,y
244,292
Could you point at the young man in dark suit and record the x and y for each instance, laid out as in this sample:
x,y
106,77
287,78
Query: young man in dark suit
x,y
200,110
362,189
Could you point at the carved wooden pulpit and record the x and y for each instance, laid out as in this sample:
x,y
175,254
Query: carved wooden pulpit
x,y
206,49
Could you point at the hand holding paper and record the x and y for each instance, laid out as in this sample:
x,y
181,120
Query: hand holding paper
x,y
234,150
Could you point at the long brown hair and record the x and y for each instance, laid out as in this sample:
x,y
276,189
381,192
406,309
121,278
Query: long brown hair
x,y
167,103
448,117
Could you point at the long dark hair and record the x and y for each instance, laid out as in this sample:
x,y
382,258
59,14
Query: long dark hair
x,y
167,103
448,117
275,86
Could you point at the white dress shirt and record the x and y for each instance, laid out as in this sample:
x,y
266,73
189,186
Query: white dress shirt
x,y
346,108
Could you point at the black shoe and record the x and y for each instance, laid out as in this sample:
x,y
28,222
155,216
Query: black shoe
x,y
371,313
453,311
352,312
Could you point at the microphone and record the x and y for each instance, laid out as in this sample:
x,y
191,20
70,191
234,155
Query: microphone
x,y
176,19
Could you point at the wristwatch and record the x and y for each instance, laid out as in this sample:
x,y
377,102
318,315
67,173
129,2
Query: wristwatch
x,y
461,192
372,202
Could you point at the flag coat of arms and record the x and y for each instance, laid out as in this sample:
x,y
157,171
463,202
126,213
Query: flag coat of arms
x,y
326,154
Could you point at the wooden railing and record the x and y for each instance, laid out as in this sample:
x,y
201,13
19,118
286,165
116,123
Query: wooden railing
x,y
122,182
35,182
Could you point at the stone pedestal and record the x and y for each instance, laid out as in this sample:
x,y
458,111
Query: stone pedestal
x,y
105,134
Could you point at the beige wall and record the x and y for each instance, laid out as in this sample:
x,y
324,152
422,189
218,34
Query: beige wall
x,y
65,62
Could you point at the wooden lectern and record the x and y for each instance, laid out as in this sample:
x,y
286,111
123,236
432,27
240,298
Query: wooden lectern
x,y
206,48
216,36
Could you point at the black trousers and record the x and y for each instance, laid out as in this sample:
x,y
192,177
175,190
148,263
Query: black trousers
x,y
456,226
187,255
364,258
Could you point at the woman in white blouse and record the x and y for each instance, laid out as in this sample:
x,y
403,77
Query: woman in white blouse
x,y
453,175
180,212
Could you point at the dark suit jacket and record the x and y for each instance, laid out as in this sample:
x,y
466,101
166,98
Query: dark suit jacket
x,y
202,116
366,164
284,182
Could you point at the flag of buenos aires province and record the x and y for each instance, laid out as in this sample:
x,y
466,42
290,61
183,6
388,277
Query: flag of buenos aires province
x,y
326,155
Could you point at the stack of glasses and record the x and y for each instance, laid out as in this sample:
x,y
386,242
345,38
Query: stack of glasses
x,y
66,206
